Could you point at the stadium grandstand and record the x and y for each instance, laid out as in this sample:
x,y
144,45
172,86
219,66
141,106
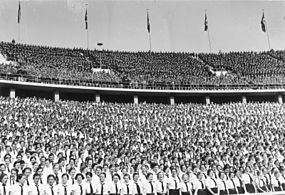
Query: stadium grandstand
x,y
94,121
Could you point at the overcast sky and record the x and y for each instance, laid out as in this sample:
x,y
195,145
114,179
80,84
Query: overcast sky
x,y
121,24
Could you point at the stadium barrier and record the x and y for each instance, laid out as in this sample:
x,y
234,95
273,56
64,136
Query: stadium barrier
x,y
149,86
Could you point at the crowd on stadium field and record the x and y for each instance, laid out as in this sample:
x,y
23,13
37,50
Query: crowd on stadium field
x,y
138,69
81,148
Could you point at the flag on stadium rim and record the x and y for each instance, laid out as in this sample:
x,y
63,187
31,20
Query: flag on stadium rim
x,y
86,20
206,23
148,24
263,27
19,12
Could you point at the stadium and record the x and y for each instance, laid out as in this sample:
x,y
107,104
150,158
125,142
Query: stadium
x,y
91,119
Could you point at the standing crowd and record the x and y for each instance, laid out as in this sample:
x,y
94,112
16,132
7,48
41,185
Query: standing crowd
x,y
85,148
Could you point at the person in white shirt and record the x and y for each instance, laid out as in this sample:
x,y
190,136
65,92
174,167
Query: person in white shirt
x,y
50,188
148,186
126,185
248,180
13,177
173,182
27,172
200,188
89,184
71,172
138,188
4,187
211,183
260,182
20,188
160,184
114,186
185,185
36,188
56,173
102,188
78,187
64,188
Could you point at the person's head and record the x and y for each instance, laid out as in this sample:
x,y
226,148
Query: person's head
x,y
127,178
116,178
160,176
222,175
79,177
36,178
51,179
13,173
21,179
89,176
72,172
136,177
64,178
4,178
102,177
56,168
210,173
27,171
185,177
149,177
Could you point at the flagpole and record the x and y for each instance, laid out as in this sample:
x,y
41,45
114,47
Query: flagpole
x,y
19,33
19,21
87,29
149,35
267,33
209,37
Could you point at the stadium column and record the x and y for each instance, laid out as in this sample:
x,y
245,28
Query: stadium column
x,y
98,98
243,98
12,93
136,99
172,100
208,101
280,99
56,96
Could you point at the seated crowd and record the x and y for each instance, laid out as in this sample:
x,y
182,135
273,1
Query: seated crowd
x,y
137,69
81,148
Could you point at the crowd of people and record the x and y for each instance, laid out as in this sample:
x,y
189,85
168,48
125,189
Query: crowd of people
x,y
83,148
139,69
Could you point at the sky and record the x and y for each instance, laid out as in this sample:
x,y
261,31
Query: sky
x,y
176,25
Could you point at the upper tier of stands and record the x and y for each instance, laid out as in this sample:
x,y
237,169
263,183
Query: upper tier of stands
x,y
144,68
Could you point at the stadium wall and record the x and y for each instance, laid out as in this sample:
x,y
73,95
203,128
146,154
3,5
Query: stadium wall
x,y
59,92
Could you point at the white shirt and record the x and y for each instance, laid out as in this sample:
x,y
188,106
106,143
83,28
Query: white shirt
x,y
77,189
48,189
105,188
186,187
173,183
125,187
222,184
211,183
7,188
16,189
33,189
158,186
87,186
135,190
60,189
112,188
199,185
147,188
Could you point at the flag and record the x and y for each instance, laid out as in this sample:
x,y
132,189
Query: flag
x,y
19,13
263,28
148,24
86,20
206,23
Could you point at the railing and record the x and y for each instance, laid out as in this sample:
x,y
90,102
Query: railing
x,y
152,86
